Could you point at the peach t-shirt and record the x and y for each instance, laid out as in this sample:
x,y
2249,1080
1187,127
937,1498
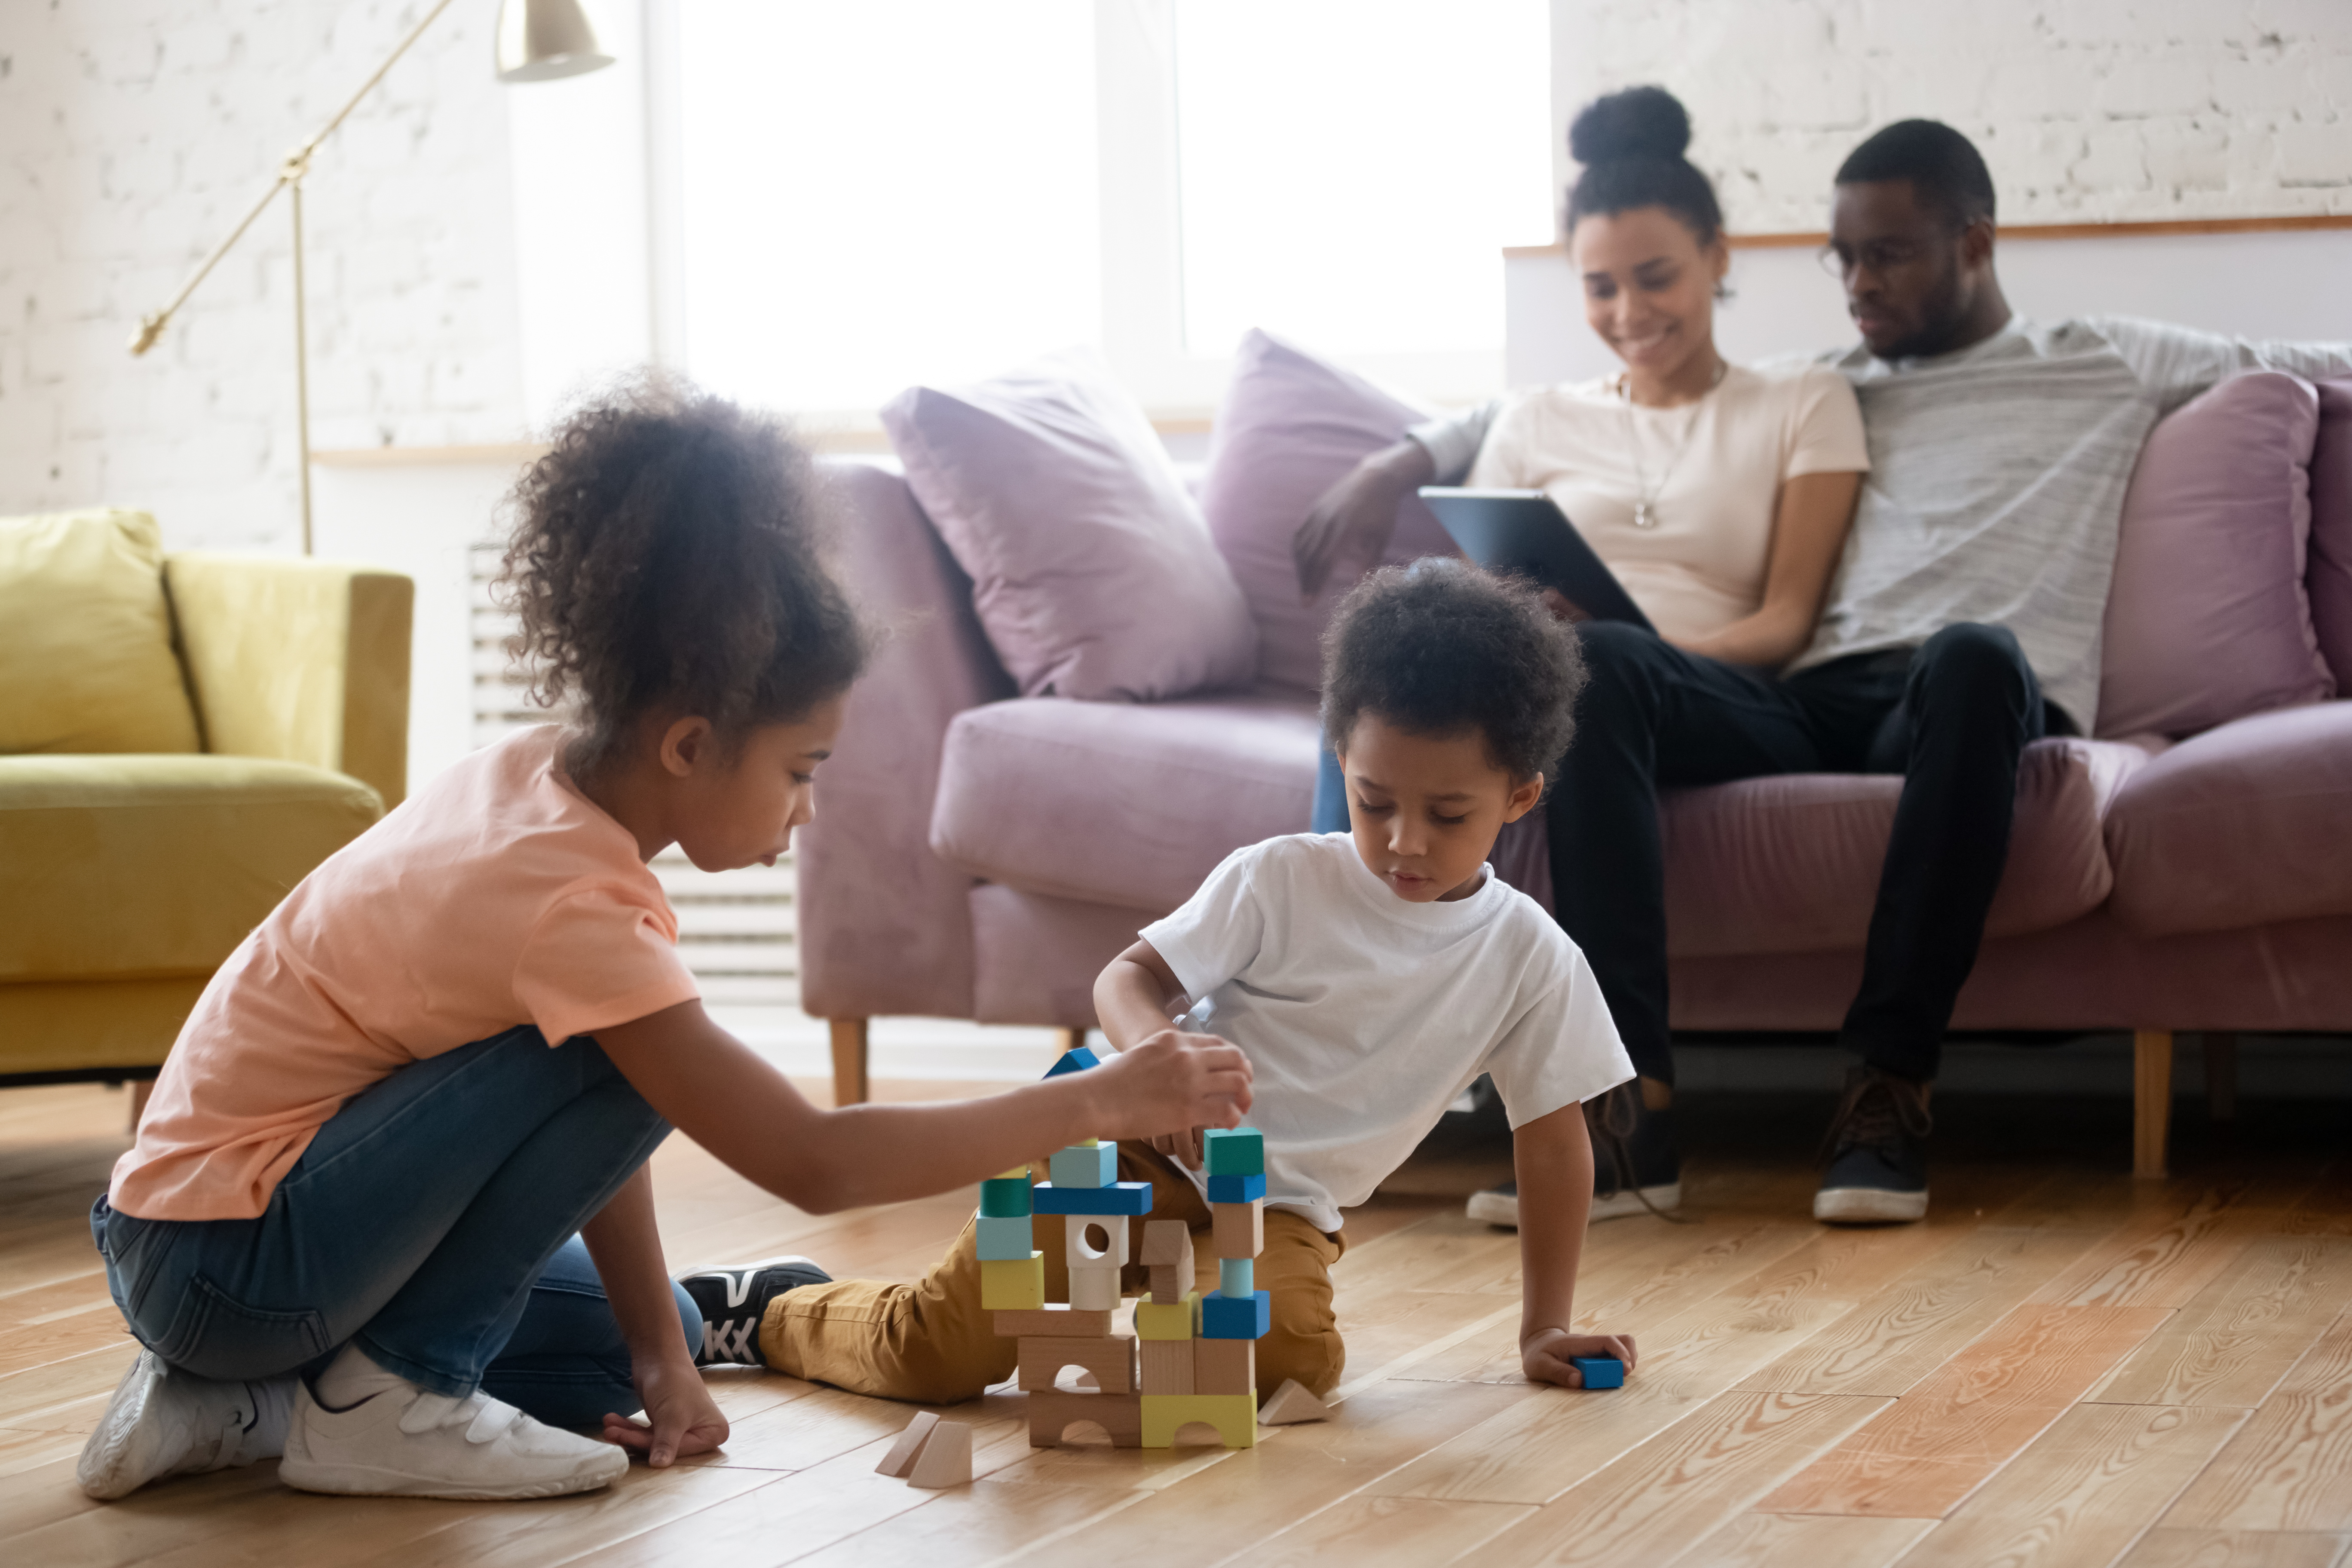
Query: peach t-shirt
x,y
1715,466
498,896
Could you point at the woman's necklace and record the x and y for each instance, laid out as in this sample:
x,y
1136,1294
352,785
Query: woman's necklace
x,y
1646,495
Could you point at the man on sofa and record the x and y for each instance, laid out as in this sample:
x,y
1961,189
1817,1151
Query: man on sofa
x,y
1963,623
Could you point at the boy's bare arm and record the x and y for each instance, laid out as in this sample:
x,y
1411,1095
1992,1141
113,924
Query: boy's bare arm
x,y
1554,1160
1132,997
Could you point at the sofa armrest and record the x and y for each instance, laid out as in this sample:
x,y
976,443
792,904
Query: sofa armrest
x,y
302,660
885,924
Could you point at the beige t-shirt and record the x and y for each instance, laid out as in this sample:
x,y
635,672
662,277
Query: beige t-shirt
x,y
495,895
1716,468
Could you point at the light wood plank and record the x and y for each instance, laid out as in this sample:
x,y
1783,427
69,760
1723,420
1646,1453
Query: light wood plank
x,y
1666,1496
1958,1428
988,1520
1808,1541
1385,1532
2165,1548
2155,1260
2290,1468
2229,1346
2082,1492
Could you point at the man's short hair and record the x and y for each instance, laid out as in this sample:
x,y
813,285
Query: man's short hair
x,y
1438,647
1942,166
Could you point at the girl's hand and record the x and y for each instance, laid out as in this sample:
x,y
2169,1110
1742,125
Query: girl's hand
x,y
1546,1355
685,1420
1184,1147
1171,1084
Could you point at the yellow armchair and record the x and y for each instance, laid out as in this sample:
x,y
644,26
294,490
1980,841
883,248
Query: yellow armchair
x,y
128,875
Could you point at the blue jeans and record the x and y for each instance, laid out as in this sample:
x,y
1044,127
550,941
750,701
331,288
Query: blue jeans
x,y
1331,813
432,1222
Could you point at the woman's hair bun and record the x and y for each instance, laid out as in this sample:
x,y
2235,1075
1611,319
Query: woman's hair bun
x,y
1639,122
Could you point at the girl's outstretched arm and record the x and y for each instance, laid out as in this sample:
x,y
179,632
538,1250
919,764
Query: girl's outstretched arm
x,y
627,1246
720,1093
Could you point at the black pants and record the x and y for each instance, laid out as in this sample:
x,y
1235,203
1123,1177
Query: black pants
x,y
1952,716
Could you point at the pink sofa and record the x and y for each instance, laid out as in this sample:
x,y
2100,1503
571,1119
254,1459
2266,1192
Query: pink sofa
x,y
979,856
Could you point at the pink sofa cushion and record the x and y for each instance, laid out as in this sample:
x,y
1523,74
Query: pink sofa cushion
x,y
1289,426
2329,576
2242,825
1791,864
1092,571
1118,803
2208,619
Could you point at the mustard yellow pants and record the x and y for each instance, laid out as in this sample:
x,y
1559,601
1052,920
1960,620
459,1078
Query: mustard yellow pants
x,y
934,1343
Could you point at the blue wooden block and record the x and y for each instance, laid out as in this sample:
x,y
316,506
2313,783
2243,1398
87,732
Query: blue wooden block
x,y
1236,1317
1236,1189
1234,1277
1076,1060
1079,1166
1233,1151
1005,1240
1600,1371
1119,1197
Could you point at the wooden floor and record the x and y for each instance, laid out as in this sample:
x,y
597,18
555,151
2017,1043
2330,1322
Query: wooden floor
x,y
2061,1366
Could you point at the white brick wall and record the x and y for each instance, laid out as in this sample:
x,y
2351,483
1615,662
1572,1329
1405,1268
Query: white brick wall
x,y
2087,110
132,134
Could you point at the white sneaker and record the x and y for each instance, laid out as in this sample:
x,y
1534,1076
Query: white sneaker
x,y
415,1444
166,1423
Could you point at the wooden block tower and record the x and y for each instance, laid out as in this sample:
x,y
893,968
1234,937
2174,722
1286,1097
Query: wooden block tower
x,y
1200,1353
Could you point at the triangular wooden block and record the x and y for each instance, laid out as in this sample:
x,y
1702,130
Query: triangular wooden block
x,y
946,1458
902,1456
1292,1403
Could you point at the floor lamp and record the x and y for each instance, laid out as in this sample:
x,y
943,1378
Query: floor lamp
x,y
538,41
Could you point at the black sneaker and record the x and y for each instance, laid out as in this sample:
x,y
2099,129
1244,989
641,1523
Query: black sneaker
x,y
1876,1151
733,1298
1635,1168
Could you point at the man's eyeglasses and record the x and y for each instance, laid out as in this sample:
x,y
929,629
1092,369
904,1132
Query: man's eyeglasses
x,y
1879,256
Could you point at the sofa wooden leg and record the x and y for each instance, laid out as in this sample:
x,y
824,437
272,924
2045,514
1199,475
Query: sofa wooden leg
x,y
849,1086
2151,1099
1069,1040
140,1087
2220,1075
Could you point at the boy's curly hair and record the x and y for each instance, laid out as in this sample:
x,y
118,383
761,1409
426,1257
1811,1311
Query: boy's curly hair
x,y
665,555
1440,647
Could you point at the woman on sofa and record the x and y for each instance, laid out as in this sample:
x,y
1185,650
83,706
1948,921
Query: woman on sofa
x,y
1720,494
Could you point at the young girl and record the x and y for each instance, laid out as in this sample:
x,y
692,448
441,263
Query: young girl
x,y
388,1213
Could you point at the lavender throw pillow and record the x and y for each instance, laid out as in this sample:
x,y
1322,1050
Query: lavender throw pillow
x,y
2329,576
1092,572
2208,620
1290,426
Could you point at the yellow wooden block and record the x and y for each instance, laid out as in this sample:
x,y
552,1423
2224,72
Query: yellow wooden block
x,y
1019,1173
1235,1415
1013,1285
1169,1320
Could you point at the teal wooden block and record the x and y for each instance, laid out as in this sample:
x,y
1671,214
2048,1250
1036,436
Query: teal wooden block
x,y
1234,1150
1236,1277
1005,1238
1005,1197
1079,1166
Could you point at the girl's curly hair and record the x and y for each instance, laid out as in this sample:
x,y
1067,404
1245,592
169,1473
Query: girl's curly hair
x,y
1439,647
666,554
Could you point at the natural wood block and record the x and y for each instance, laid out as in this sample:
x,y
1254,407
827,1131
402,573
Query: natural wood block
x,y
1178,1320
1167,1241
1224,1366
1112,1360
1166,1366
1093,1289
1013,1285
1240,1228
1052,1414
902,1456
945,1458
1234,1417
1169,1282
1292,1403
1054,1323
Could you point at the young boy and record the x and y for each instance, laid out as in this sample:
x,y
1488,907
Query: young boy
x,y
1369,976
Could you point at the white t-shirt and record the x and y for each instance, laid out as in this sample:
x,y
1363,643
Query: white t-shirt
x,y
1716,468
1364,1015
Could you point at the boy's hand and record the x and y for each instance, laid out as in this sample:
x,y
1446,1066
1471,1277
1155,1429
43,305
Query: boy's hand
x,y
1546,1355
1184,1147
1172,1084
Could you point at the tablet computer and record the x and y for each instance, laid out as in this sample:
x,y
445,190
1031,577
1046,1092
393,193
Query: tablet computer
x,y
1524,533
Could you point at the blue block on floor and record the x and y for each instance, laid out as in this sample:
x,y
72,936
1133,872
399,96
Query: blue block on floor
x,y
1235,1276
1236,1317
1234,1152
1076,1060
1004,1240
1119,1197
1079,1166
1236,1189
1600,1371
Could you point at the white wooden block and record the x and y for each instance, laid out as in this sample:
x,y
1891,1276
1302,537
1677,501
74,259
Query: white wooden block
x,y
1292,1403
1093,1289
1081,1252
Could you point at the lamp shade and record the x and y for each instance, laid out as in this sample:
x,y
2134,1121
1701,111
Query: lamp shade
x,y
539,41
